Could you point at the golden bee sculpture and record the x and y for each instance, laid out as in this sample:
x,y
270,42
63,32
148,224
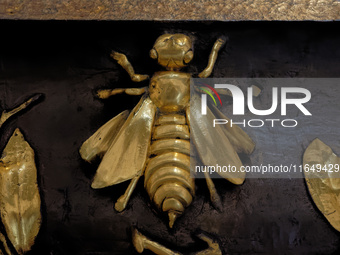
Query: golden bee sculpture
x,y
154,139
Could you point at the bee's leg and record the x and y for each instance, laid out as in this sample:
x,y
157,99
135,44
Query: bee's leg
x,y
124,199
214,248
106,93
124,62
135,91
214,197
212,58
141,242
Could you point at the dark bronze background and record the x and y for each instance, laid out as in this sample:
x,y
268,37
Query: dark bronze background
x,y
68,61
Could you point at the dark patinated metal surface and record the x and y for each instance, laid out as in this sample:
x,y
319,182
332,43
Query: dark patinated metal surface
x,y
69,62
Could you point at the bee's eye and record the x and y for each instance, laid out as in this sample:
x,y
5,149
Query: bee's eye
x,y
162,42
180,42
166,40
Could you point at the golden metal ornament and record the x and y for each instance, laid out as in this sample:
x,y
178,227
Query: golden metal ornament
x,y
154,140
321,169
19,193
142,243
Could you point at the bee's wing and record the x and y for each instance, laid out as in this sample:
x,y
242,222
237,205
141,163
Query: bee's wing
x,y
127,154
99,142
240,140
213,144
324,186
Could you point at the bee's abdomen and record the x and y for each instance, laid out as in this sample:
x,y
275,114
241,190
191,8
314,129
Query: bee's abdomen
x,y
170,145
167,174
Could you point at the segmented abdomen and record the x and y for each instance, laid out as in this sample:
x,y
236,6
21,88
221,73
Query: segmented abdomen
x,y
167,174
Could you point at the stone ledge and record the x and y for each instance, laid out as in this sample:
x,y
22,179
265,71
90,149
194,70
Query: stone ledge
x,y
171,10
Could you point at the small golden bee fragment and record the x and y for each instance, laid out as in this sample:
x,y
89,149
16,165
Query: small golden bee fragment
x,y
154,139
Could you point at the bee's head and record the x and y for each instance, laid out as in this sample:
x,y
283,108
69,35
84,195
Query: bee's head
x,y
172,51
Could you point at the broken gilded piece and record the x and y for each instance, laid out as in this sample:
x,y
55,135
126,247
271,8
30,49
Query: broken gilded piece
x,y
321,168
142,243
6,115
19,193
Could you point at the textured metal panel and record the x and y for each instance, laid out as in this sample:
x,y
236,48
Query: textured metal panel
x,y
221,10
